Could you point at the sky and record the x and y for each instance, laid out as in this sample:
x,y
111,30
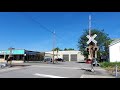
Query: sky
x,y
27,30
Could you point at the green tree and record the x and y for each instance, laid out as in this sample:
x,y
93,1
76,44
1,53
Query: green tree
x,y
68,49
65,49
57,49
103,41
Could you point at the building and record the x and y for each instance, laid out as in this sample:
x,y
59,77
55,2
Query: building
x,y
114,51
22,55
66,55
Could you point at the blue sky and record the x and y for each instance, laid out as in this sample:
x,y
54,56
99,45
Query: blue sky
x,y
18,30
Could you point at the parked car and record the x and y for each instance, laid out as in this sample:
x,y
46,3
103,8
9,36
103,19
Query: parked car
x,y
59,59
88,61
47,59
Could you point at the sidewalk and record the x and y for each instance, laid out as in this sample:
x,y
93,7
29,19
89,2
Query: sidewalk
x,y
99,73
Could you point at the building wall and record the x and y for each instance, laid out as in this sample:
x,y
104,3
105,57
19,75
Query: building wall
x,y
114,51
15,51
2,60
80,56
61,53
22,55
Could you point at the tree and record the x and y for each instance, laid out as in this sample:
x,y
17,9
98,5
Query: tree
x,y
103,41
57,49
68,49
65,49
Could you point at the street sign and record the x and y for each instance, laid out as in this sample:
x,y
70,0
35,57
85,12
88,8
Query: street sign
x,y
91,38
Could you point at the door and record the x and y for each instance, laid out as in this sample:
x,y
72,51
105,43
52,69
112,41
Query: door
x,y
73,57
66,57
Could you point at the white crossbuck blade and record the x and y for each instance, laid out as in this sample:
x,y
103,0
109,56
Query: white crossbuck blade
x,y
91,38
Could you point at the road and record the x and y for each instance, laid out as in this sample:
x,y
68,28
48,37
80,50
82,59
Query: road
x,y
43,70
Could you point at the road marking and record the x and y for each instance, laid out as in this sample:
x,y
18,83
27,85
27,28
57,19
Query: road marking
x,y
95,76
8,69
59,67
49,76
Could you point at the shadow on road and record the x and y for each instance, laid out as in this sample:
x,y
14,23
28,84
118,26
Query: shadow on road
x,y
20,65
81,62
89,70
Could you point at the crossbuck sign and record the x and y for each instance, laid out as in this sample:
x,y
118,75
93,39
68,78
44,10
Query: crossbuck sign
x,y
91,38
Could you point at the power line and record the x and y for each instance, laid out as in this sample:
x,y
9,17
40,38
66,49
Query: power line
x,y
42,26
45,28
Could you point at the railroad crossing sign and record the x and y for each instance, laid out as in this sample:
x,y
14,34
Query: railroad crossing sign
x,y
91,38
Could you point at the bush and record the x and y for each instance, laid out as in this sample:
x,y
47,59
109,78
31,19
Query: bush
x,y
110,64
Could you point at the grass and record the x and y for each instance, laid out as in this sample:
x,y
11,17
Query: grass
x,y
110,66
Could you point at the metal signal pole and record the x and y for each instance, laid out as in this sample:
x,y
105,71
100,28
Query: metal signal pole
x,y
90,46
90,35
90,25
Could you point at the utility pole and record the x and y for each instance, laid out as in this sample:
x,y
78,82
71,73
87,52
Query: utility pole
x,y
57,53
10,54
4,55
53,45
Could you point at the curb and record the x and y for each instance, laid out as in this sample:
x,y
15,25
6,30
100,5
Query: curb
x,y
95,76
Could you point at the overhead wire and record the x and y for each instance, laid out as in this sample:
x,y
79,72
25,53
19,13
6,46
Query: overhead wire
x,y
42,26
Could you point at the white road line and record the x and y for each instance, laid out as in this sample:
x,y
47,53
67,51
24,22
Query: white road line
x,y
8,69
59,67
95,76
49,76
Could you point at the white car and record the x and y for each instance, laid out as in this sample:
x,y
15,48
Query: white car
x,y
47,59
3,65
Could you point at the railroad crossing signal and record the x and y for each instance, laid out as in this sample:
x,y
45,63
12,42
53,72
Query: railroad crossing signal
x,y
95,48
91,38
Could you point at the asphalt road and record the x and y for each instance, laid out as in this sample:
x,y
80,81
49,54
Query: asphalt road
x,y
44,70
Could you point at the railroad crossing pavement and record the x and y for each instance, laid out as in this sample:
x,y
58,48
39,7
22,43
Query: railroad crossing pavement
x,y
43,70
95,76
59,70
99,73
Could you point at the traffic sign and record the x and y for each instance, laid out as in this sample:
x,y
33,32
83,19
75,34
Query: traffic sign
x,y
91,38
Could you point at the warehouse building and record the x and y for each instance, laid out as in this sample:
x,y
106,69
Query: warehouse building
x,y
66,55
114,51
22,55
